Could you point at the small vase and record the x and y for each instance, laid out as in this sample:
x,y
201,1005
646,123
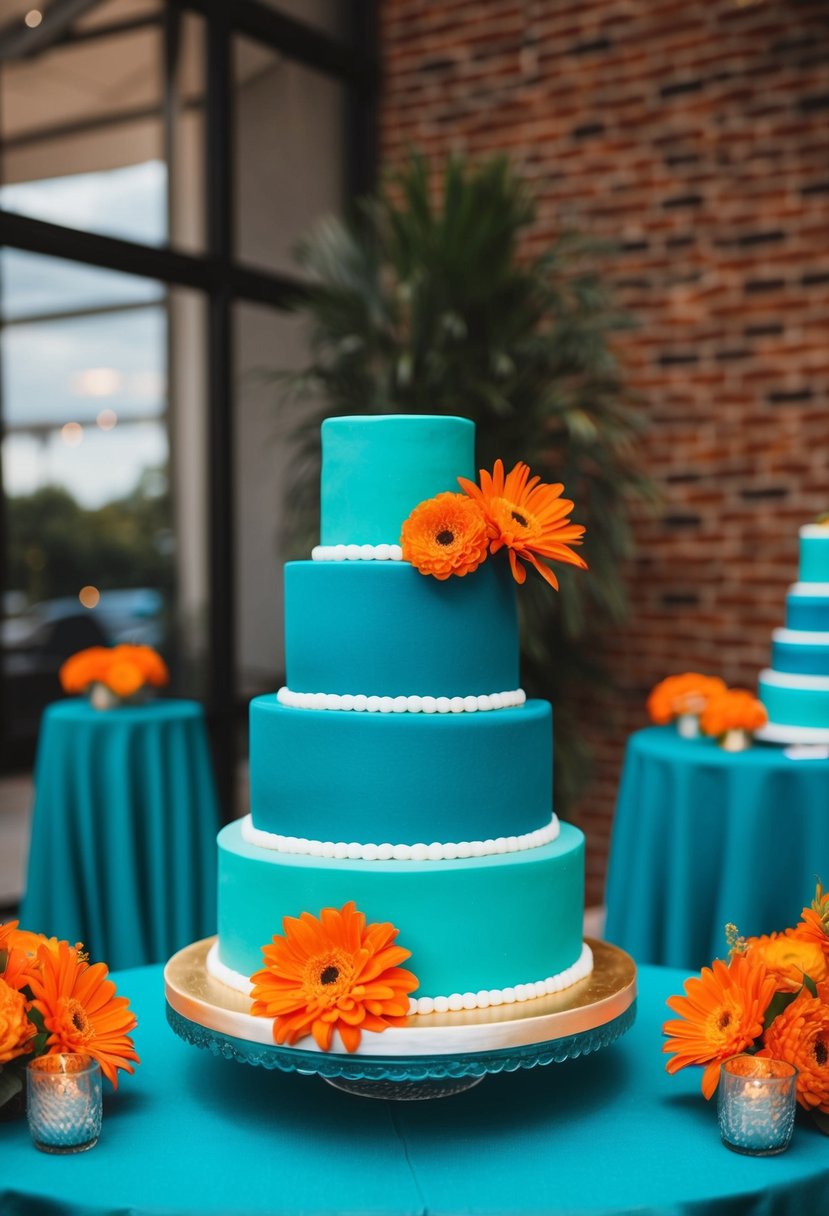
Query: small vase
x,y
687,726
101,697
735,740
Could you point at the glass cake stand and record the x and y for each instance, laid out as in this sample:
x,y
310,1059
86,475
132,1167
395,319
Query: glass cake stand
x,y
433,1055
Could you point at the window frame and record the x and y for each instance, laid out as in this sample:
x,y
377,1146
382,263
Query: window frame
x,y
216,272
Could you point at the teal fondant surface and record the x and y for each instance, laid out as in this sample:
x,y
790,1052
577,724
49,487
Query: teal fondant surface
x,y
795,706
383,628
810,612
375,469
400,778
801,658
481,923
814,559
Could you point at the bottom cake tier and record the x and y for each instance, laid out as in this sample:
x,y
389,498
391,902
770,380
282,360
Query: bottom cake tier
x,y
501,927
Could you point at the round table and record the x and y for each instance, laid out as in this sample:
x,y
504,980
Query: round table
x,y
703,837
192,1133
123,845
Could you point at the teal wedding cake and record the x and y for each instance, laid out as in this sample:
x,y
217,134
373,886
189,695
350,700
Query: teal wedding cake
x,y
795,689
402,767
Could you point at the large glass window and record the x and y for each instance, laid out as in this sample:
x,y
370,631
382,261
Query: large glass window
x,y
85,459
154,184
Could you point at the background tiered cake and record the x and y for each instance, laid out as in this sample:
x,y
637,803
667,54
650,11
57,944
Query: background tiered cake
x,y
795,689
402,767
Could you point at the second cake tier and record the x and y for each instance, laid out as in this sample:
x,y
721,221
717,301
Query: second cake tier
x,y
400,778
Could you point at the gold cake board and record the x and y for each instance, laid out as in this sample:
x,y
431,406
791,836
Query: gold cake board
x,y
588,1015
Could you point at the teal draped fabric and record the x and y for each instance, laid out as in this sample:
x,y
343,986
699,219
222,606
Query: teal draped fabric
x,y
123,842
193,1134
703,838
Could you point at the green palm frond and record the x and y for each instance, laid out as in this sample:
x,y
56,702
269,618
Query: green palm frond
x,y
423,303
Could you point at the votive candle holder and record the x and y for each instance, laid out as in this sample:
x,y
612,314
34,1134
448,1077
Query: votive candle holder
x,y
64,1102
756,1104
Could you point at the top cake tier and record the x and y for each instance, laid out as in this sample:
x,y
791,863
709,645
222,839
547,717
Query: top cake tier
x,y
814,554
377,468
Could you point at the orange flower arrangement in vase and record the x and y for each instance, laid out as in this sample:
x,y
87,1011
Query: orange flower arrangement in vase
x,y
113,675
454,533
682,699
732,717
53,1000
770,999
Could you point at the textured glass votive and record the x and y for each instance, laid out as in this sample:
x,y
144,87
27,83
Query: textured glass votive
x,y
64,1102
756,1105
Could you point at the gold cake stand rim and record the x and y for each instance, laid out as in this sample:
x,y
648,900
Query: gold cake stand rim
x,y
598,1000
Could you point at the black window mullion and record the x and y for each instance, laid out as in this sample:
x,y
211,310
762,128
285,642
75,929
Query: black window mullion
x,y
221,507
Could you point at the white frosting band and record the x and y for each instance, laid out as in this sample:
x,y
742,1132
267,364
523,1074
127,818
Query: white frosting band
x,y
785,679
800,637
356,553
810,590
361,703
437,851
442,1004
815,531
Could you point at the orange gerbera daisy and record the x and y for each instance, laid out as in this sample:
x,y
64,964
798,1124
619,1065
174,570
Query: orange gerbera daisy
x,y
788,957
332,973
687,693
814,921
123,669
732,709
445,535
529,517
800,1035
16,1031
721,1015
81,1011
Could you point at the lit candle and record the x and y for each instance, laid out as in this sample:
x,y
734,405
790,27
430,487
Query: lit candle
x,y
63,1094
756,1104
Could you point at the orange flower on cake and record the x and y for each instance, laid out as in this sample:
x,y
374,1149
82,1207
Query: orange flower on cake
x,y
676,696
80,1010
720,1015
332,973
734,709
445,535
528,517
800,1035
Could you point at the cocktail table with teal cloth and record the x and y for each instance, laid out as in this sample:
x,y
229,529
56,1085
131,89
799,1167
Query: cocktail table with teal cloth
x,y
123,843
193,1134
703,837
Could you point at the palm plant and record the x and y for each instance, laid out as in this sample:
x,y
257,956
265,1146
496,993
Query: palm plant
x,y
423,303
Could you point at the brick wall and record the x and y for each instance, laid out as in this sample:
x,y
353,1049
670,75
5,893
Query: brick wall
x,y
696,134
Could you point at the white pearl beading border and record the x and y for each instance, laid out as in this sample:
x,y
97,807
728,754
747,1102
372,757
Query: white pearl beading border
x,y
362,703
436,851
356,553
442,1004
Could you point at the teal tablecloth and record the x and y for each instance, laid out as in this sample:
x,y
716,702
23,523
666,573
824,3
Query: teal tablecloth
x,y
123,842
704,837
191,1134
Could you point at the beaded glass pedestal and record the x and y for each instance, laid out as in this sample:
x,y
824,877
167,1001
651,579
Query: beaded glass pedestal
x,y
433,1055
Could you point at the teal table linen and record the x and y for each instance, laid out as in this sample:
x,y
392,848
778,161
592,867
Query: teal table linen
x,y
193,1134
123,842
703,838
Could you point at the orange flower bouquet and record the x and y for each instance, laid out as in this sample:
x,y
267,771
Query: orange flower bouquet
x,y
682,699
454,533
53,1000
732,717
111,675
770,999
